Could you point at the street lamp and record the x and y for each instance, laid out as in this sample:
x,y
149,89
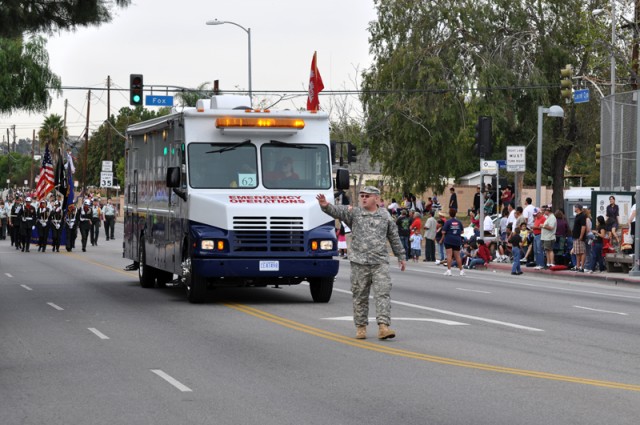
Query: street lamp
x,y
597,12
248,31
554,111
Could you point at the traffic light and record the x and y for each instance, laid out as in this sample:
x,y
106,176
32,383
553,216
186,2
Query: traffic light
x,y
597,153
483,145
136,87
566,83
352,153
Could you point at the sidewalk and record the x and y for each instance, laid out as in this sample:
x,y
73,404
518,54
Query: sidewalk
x,y
565,274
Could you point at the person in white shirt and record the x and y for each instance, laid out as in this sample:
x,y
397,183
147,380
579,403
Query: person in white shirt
x,y
488,226
528,213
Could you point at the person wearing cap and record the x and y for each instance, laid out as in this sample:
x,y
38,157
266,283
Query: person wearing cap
x,y
14,221
452,230
371,228
71,225
85,216
538,252
404,231
42,224
549,234
109,219
579,236
96,220
27,223
55,220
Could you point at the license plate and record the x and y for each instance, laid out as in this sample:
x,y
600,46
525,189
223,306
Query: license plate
x,y
269,266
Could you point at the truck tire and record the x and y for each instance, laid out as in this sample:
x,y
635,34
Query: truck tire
x,y
321,289
146,274
196,286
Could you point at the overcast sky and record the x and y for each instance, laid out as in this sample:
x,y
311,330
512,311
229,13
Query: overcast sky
x,y
168,42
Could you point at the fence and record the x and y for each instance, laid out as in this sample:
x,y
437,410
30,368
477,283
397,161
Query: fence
x,y
618,142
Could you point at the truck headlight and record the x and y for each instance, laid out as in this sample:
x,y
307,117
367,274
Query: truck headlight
x,y
326,245
207,245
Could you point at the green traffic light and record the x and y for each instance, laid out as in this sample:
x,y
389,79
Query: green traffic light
x,y
136,98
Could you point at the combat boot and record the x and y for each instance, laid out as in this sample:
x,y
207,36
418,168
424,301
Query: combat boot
x,y
384,332
361,332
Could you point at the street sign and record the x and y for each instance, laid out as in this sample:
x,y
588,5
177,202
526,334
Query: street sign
x,y
488,167
152,100
106,179
107,166
502,164
516,159
581,96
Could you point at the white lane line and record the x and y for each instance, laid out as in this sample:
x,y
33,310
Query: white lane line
x,y
57,307
473,290
26,287
8,274
451,313
407,319
98,333
601,311
179,385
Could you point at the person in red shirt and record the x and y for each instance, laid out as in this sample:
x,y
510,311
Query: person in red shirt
x,y
538,253
416,221
482,257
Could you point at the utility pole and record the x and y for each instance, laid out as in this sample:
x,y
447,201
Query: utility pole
x,y
13,127
109,122
86,145
33,143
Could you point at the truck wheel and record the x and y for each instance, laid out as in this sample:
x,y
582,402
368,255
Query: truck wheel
x,y
163,277
146,274
321,289
195,285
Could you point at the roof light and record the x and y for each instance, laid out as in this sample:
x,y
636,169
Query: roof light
x,y
234,122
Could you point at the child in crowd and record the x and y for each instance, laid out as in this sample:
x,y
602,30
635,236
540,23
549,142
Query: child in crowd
x,y
416,243
516,248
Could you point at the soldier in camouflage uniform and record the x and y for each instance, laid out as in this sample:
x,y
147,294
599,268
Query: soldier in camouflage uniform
x,y
371,227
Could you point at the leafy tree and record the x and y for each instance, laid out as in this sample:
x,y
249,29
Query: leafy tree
x,y
25,77
440,64
190,97
100,146
21,16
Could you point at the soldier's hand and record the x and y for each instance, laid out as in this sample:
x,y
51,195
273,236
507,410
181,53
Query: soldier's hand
x,y
322,200
403,265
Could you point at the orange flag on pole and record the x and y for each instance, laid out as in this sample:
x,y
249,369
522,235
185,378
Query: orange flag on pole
x,y
315,86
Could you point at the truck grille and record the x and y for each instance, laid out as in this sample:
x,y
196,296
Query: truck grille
x,y
268,234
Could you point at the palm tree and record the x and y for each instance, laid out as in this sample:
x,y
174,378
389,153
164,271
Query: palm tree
x,y
190,97
53,132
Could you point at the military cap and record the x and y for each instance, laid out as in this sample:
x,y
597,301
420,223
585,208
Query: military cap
x,y
370,189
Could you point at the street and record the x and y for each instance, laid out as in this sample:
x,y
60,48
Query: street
x,y
82,343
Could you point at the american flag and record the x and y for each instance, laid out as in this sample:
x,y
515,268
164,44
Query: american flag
x,y
46,177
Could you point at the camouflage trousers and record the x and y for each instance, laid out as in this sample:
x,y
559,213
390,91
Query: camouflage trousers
x,y
363,278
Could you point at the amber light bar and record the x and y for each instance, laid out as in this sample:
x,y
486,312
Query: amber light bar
x,y
236,122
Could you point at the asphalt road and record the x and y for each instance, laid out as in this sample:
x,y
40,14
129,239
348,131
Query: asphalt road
x,y
82,343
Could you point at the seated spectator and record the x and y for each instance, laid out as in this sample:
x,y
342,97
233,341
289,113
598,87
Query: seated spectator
x,y
481,257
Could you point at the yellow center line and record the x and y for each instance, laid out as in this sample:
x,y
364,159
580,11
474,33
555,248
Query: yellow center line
x,y
424,357
398,352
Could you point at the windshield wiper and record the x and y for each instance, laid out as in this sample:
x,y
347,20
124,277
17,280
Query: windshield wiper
x,y
290,145
232,147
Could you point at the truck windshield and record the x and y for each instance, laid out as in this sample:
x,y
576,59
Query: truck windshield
x,y
223,165
295,166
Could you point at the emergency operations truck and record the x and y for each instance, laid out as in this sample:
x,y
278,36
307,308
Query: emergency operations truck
x,y
224,195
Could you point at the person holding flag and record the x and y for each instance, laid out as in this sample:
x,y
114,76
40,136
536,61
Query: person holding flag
x,y
46,176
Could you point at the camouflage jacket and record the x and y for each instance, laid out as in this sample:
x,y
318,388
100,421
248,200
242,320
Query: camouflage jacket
x,y
369,233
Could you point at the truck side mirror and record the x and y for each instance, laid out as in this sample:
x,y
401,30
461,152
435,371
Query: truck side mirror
x,y
173,177
342,179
